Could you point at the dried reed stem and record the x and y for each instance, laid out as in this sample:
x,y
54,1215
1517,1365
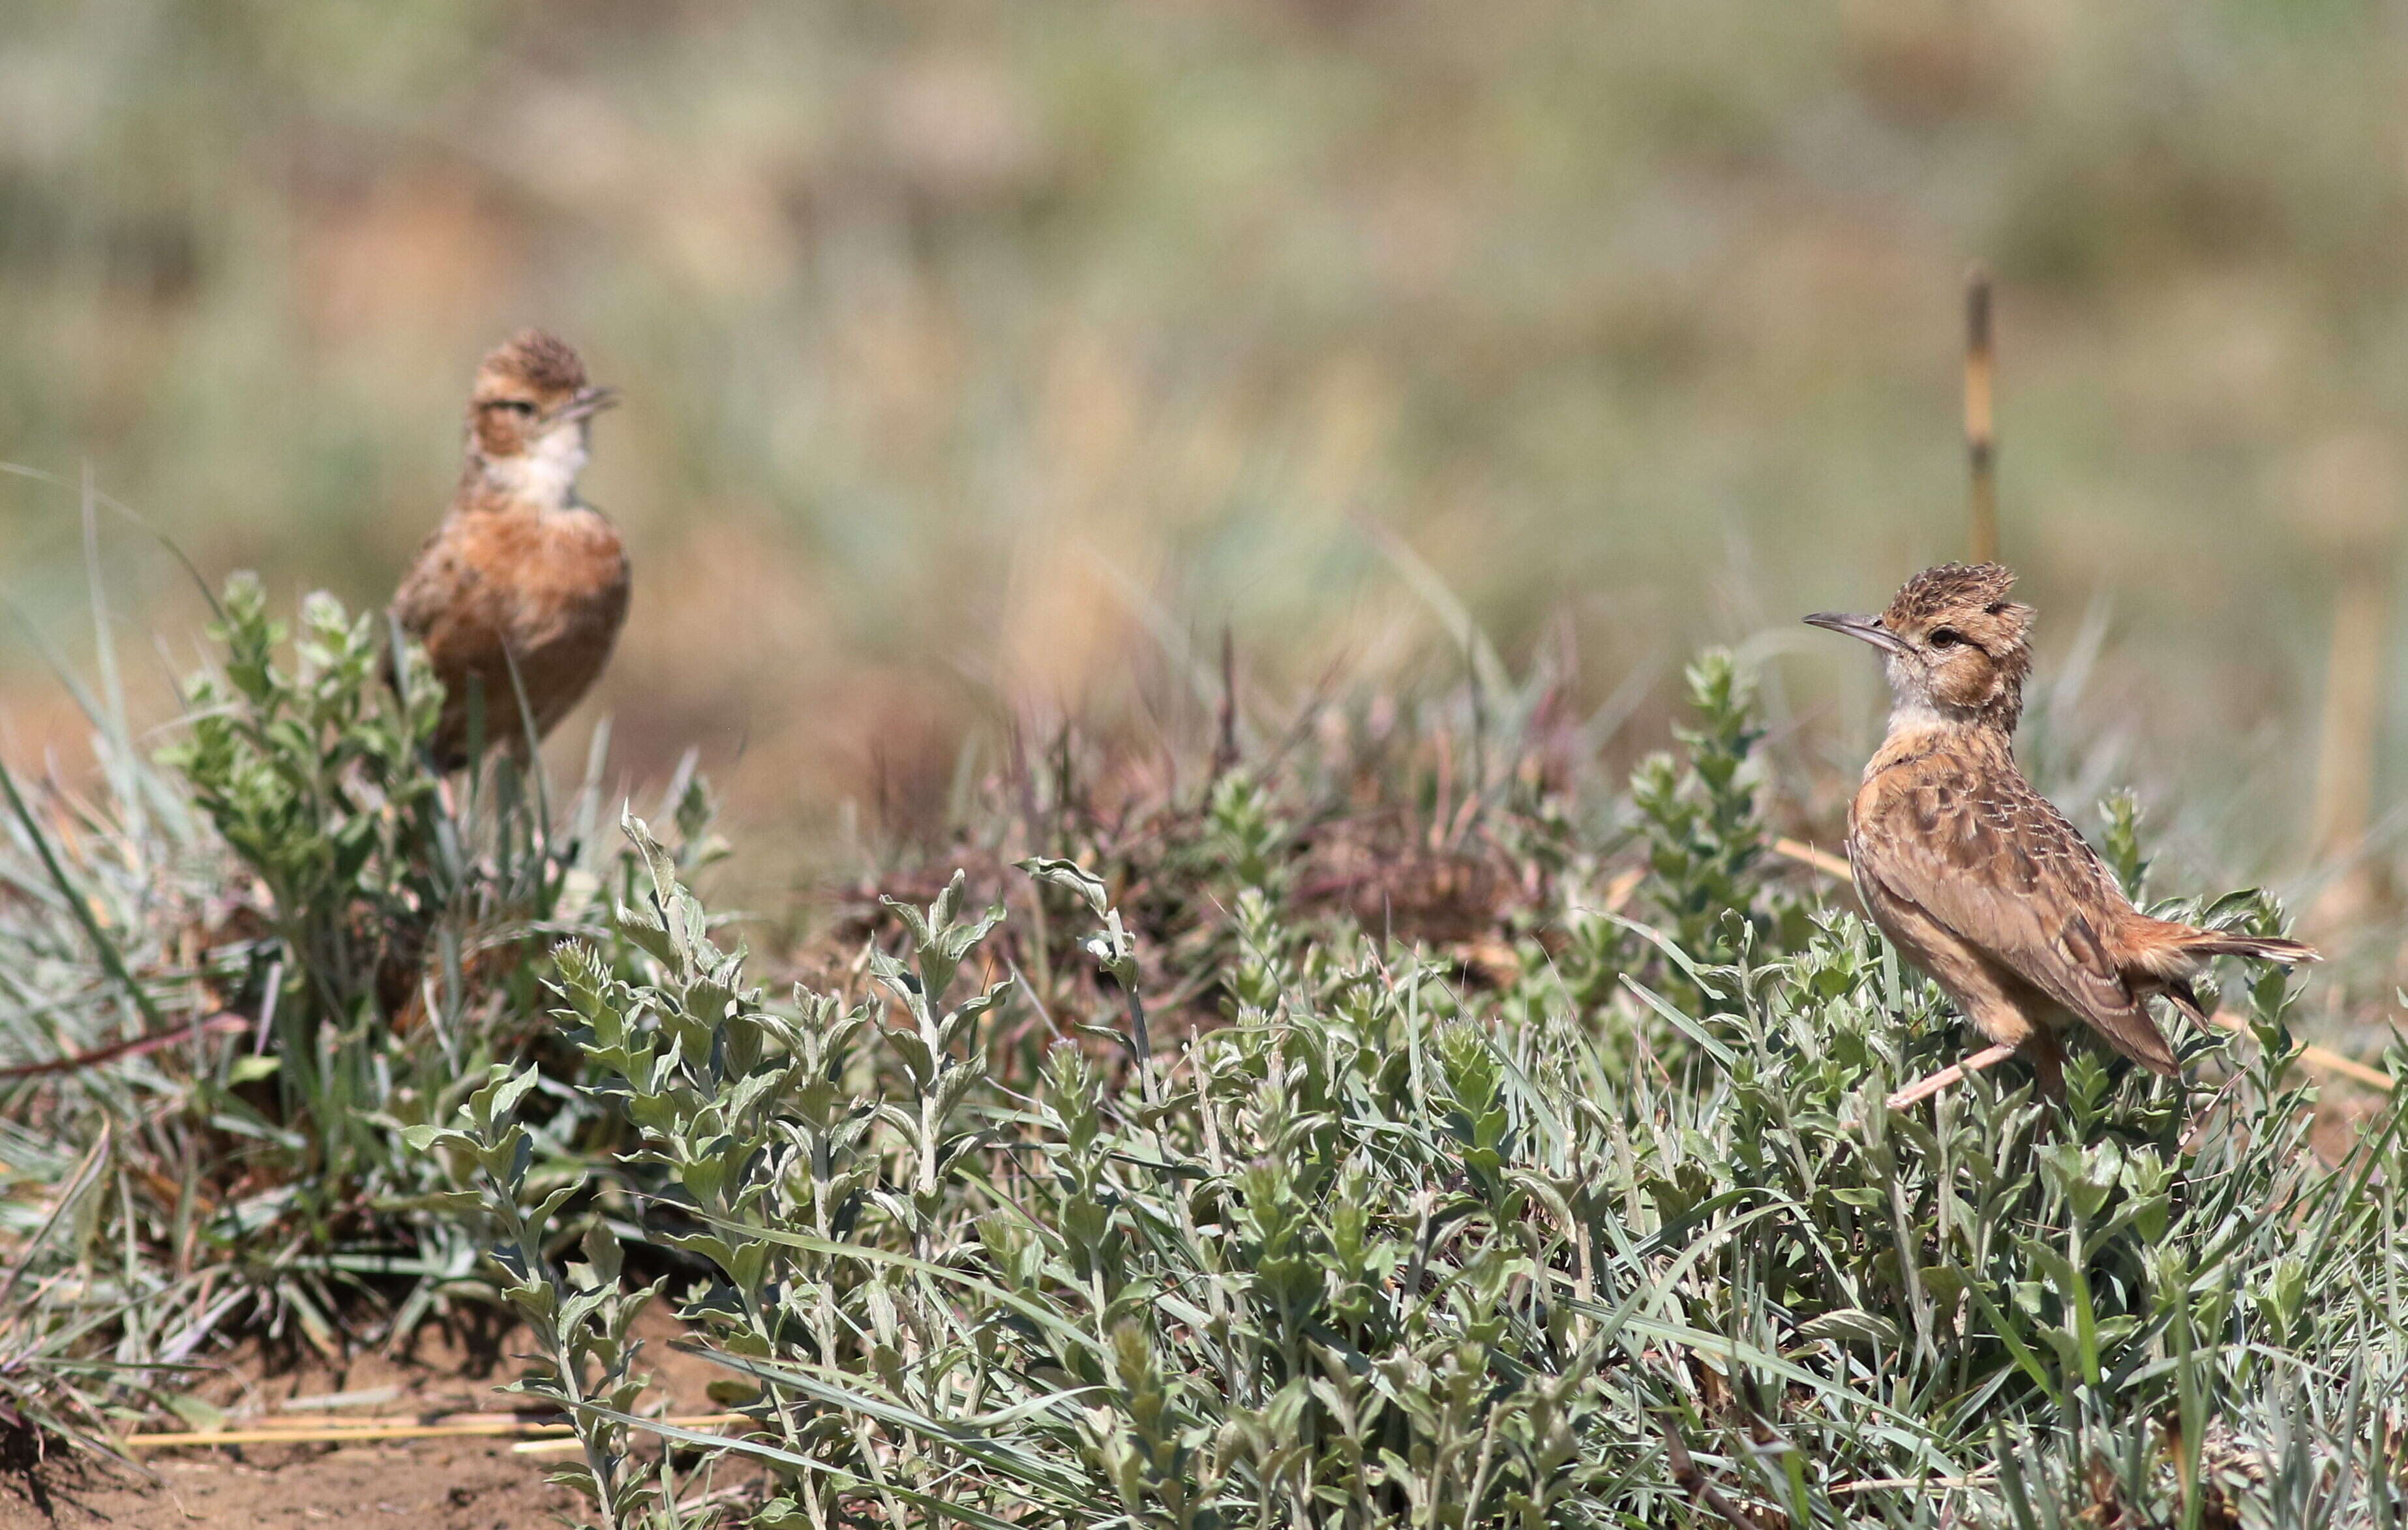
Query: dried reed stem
x,y
1806,854
388,1429
2315,1056
1981,433
218,1025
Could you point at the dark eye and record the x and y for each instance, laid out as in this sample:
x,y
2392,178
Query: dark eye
x,y
1946,637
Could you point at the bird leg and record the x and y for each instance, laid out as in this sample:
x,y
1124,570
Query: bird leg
x,y
1923,1089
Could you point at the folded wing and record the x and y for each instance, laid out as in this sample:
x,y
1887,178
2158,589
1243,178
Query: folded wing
x,y
1991,861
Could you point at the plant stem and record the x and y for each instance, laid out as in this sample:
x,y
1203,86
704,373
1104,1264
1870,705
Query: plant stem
x,y
1141,1045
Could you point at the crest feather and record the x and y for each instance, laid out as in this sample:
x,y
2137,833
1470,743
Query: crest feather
x,y
1952,587
543,362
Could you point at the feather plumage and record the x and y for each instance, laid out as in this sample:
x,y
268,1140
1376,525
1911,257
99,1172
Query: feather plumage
x,y
1975,875
523,588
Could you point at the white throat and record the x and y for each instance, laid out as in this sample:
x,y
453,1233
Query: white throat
x,y
1911,709
1917,715
546,475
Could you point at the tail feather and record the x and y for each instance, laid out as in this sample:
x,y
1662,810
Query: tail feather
x,y
2186,1000
2165,949
2205,943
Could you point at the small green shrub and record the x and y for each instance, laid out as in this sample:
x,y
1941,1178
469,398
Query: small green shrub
x,y
302,942
1388,1250
582,1323
1705,841
308,769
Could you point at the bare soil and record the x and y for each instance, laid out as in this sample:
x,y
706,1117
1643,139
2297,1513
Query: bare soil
x,y
442,1484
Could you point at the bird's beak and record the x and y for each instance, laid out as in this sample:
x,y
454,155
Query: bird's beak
x,y
1866,627
588,401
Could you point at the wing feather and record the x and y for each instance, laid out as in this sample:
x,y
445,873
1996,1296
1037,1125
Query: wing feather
x,y
1993,863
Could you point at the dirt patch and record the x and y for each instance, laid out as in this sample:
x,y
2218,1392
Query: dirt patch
x,y
444,1373
442,1484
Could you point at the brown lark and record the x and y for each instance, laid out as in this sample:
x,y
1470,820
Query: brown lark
x,y
522,589
1975,876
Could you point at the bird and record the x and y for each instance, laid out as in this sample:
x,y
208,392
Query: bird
x,y
522,589
1975,876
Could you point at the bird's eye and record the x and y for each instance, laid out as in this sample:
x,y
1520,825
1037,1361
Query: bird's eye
x,y
1946,637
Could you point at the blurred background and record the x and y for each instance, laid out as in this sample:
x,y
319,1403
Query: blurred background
x,y
982,358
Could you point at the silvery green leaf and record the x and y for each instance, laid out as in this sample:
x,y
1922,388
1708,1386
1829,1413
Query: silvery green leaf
x,y
1070,876
1850,1324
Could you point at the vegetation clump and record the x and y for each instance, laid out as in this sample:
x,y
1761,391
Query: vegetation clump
x,y
1385,1246
234,976
1194,1172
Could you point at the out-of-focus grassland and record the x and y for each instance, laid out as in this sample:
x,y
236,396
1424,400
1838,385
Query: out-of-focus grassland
x,y
962,340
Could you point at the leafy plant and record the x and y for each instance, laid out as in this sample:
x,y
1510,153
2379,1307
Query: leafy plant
x,y
580,1318
1705,840
1384,1251
400,941
249,964
1613,1230
308,769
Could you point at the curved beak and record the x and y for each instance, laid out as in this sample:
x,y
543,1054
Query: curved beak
x,y
587,401
1866,627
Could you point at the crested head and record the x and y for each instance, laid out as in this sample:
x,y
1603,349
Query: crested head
x,y
1956,648
1955,592
528,416
535,361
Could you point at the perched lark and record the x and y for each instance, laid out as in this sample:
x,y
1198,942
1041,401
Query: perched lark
x,y
523,587
1973,874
